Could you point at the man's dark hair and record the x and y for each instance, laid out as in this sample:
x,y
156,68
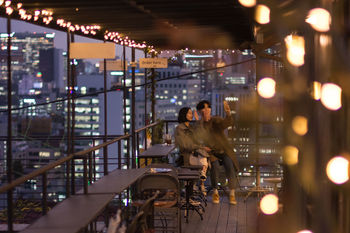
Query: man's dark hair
x,y
201,105
182,115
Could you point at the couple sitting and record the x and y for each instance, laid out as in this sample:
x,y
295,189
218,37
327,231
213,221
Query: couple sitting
x,y
206,140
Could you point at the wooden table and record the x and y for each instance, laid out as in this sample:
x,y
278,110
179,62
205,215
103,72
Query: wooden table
x,y
157,151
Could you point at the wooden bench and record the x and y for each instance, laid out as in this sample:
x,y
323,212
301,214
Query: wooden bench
x,y
76,212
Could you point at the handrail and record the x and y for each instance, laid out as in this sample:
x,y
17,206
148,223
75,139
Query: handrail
x,y
147,126
49,166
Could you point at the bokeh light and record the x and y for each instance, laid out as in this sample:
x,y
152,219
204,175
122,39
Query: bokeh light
x,y
319,19
316,91
295,49
290,155
299,125
247,3
304,231
269,204
262,14
338,170
331,96
267,88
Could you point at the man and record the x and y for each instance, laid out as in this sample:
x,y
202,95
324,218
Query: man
x,y
211,131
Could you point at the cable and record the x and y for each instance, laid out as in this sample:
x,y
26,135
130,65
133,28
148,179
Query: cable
x,y
121,88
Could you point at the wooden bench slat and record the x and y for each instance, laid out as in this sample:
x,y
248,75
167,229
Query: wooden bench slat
x,y
72,214
116,181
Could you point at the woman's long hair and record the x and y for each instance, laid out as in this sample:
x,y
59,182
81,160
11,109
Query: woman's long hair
x,y
182,114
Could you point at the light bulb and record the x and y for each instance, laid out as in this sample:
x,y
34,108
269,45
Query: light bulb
x,y
338,170
267,87
331,96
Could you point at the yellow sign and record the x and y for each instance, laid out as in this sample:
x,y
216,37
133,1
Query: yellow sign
x,y
153,63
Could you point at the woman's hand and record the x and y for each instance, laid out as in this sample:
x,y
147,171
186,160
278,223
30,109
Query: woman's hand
x,y
227,108
195,114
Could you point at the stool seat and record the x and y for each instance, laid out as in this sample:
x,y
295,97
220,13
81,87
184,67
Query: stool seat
x,y
274,180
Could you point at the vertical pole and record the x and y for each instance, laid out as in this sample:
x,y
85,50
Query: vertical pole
x,y
145,132
9,129
94,159
153,99
105,152
119,154
85,175
73,120
153,96
257,166
68,116
90,167
124,88
133,113
138,148
44,200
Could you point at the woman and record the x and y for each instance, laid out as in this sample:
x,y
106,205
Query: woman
x,y
191,150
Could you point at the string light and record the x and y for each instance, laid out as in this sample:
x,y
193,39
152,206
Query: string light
x,y
262,14
247,3
299,125
331,96
319,19
267,88
295,49
316,92
290,155
338,170
269,204
7,3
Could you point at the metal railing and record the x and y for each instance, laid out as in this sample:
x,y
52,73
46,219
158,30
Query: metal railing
x,y
89,166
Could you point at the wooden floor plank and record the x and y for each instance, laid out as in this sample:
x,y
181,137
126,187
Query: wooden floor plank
x,y
225,218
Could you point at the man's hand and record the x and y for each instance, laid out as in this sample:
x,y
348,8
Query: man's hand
x,y
227,108
207,149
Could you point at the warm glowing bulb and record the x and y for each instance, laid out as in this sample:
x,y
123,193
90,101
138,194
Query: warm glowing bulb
x,y
267,87
269,204
9,10
1,2
290,155
319,19
19,5
262,14
7,3
247,3
325,40
295,49
316,94
331,96
338,170
299,125
304,231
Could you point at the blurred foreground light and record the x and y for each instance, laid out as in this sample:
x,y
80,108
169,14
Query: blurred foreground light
x,y
267,88
262,14
325,40
316,92
299,125
331,96
319,19
304,231
269,204
338,170
295,49
290,155
247,3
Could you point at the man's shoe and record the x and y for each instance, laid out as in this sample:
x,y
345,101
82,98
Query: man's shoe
x,y
233,199
216,198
